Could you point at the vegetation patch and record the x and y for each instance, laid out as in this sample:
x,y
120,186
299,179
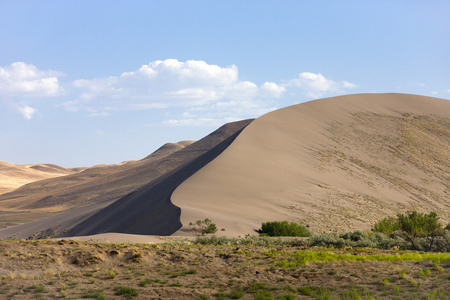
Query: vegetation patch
x,y
283,228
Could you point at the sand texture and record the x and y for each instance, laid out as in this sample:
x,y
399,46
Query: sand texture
x,y
336,164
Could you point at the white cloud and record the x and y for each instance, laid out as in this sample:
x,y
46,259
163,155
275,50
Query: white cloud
x,y
316,85
27,111
199,121
25,80
273,89
171,84
168,83
205,93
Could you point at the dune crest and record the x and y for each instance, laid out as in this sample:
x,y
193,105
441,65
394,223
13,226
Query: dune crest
x,y
336,164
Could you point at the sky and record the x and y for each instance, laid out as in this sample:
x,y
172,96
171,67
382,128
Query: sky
x,y
100,82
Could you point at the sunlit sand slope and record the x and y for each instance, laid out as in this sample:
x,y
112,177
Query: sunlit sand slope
x,y
336,164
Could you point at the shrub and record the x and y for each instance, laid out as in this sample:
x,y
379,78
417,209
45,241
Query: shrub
x,y
283,228
203,227
96,294
127,291
415,225
327,240
387,226
249,240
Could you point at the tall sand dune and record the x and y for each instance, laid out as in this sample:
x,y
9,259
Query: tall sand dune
x,y
147,210
335,164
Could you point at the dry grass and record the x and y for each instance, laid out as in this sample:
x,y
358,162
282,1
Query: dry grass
x,y
52,270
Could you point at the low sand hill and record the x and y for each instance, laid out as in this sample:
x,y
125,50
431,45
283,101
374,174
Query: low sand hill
x,y
13,176
147,210
336,164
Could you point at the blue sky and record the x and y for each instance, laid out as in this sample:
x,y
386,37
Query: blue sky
x,y
92,82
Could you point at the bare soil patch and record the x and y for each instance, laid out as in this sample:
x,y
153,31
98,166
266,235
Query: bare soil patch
x,y
73,270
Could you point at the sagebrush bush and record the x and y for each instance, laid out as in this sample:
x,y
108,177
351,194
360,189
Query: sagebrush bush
x,y
249,240
205,226
283,228
327,240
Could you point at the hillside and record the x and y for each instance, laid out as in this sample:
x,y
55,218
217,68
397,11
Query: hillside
x,y
335,164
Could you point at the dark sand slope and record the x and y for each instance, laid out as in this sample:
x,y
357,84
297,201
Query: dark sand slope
x,y
337,164
149,210
138,211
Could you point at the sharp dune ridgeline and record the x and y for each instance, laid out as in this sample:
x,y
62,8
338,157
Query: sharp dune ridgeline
x,y
335,164
112,183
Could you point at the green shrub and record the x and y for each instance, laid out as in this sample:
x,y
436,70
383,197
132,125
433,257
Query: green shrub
x,y
415,225
203,227
283,228
127,291
327,240
96,294
387,226
249,240
263,295
236,294
288,296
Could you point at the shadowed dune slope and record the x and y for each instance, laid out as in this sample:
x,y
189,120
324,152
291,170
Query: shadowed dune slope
x,y
336,164
144,205
104,183
149,210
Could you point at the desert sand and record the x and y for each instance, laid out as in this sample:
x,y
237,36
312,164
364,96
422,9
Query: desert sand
x,y
334,164
13,176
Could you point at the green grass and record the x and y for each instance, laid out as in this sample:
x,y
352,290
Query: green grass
x,y
96,294
127,291
303,257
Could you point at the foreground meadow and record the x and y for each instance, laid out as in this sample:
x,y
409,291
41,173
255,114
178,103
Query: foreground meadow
x,y
184,270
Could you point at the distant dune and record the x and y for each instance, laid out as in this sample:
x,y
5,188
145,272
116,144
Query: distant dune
x,y
336,164
13,176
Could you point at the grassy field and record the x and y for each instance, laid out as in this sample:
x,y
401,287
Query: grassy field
x,y
74,270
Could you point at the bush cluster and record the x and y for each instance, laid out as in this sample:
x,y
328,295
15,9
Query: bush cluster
x,y
250,240
201,227
410,231
283,228
421,231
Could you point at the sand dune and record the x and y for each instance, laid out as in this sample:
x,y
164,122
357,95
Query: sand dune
x,y
336,164
13,176
99,184
140,212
